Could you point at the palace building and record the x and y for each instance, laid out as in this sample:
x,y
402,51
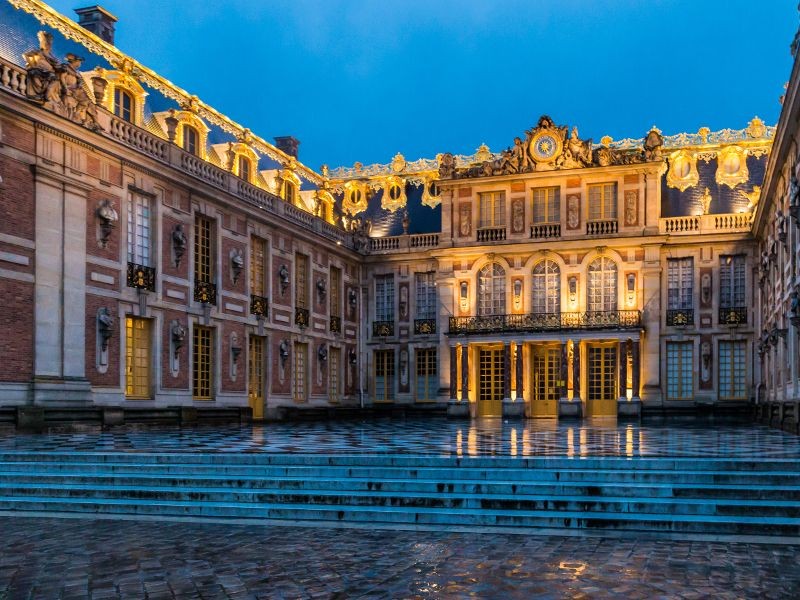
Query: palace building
x,y
158,258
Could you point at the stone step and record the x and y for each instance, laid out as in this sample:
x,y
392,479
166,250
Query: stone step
x,y
518,502
375,516
354,484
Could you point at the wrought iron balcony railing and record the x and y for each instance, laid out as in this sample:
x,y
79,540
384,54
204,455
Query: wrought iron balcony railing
x,y
424,326
680,317
205,292
382,328
141,277
336,324
259,306
733,316
535,322
301,316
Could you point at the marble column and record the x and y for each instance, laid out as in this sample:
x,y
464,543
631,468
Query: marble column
x,y
623,369
635,369
518,366
453,374
465,372
506,371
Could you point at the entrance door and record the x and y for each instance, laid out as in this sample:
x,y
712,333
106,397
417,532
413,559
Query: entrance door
x,y
545,380
601,380
255,376
490,382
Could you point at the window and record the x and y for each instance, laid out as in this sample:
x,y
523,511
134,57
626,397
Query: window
x,y
679,371
255,375
680,275
202,250
334,365
427,381
300,391
137,358
139,229
384,375
335,292
123,104
201,363
492,209
602,290
191,139
546,205
546,288
732,367
426,295
301,280
289,191
258,251
731,281
602,201
384,297
491,290
244,167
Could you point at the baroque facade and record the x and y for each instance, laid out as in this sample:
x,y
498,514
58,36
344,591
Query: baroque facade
x,y
156,256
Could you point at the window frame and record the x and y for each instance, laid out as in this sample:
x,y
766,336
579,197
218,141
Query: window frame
x,y
607,200
680,272
127,114
384,297
140,229
492,290
491,209
551,213
425,294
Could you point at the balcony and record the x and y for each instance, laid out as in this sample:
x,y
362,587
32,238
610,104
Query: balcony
x,y
301,316
545,231
382,328
733,316
424,326
492,234
205,292
680,317
141,277
694,224
608,227
540,322
336,324
259,306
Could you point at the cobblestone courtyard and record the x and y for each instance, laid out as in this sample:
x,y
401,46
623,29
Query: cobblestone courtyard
x,y
87,558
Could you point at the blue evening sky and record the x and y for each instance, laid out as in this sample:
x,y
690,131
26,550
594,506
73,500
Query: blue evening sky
x,y
359,80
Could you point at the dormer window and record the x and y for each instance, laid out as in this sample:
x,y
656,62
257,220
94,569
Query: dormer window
x,y
244,167
289,191
123,104
190,139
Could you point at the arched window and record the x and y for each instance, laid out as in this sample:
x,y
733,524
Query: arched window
x,y
191,139
602,289
491,290
546,288
123,104
244,167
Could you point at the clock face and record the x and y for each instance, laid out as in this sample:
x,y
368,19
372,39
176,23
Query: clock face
x,y
545,147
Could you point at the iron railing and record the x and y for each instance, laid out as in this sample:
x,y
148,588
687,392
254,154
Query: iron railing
x,y
382,328
424,326
259,306
680,317
141,277
733,316
534,322
205,292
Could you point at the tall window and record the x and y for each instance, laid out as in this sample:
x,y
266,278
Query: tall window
x,y
731,281
602,201
546,205
255,375
492,209
202,249
244,167
123,104
427,382
680,275
384,297
300,388
546,288
602,291
301,280
137,358
201,363
491,290
426,295
679,371
139,229
191,139
258,253
384,375
732,370
336,292
334,367
289,191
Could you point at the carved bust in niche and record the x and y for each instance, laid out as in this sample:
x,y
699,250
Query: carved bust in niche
x,y
705,289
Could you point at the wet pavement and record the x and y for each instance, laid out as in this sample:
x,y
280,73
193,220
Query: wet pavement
x,y
87,558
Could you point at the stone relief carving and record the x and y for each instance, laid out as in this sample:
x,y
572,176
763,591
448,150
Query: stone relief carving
x,y
517,216
360,229
705,360
631,207
465,220
573,211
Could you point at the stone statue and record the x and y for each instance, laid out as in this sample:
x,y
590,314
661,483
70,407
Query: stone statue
x,y
178,335
79,106
105,326
108,220
283,350
780,226
653,142
283,276
794,191
578,152
41,65
178,243
322,353
447,166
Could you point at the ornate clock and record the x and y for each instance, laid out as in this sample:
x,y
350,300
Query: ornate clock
x,y
545,146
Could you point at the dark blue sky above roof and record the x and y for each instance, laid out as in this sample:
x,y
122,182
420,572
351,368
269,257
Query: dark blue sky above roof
x,y
359,80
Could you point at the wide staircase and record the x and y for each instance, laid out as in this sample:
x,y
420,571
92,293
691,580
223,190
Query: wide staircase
x,y
681,496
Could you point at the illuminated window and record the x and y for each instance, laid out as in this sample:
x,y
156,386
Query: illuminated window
x,y
335,293
258,253
123,104
731,281
427,380
201,363
137,358
139,229
546,205
602,290
255,375
289,191
732,370
384,375
384,297
300,388
680,369
680,276
244,167
301,280
426,295
546,288
191,139
602,201
492,207
492,290
202,250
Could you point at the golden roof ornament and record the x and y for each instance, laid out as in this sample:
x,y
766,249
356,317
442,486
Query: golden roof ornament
x,y
704,132
483,153
752,197
398,163
705,201
756,128
606,140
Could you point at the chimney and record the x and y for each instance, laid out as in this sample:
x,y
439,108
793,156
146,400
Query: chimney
x,y
287,144
97,20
